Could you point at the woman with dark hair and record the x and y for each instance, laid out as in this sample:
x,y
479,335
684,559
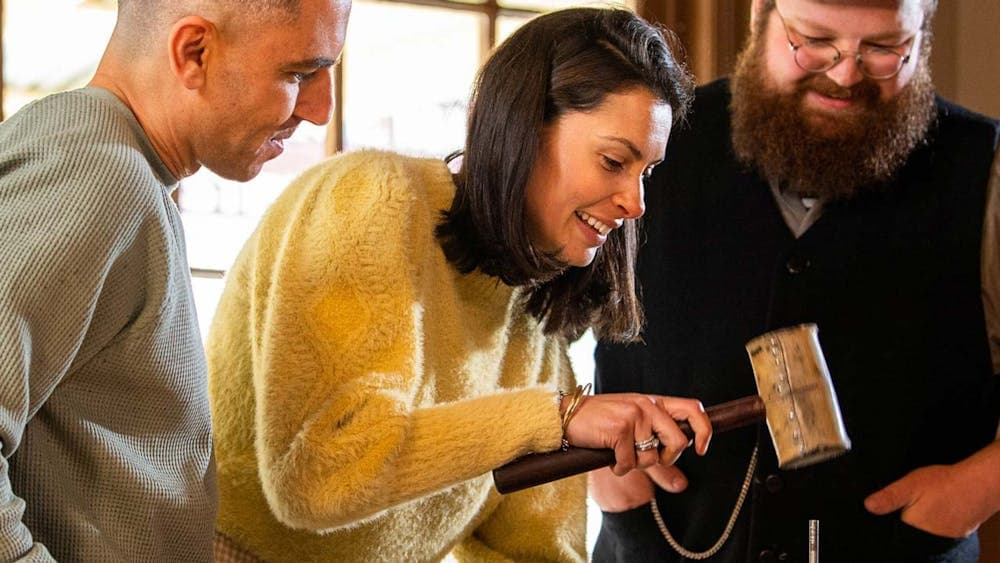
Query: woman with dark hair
x,y
393,331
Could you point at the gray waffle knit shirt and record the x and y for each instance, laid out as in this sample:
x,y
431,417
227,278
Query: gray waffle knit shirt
x,y
104,418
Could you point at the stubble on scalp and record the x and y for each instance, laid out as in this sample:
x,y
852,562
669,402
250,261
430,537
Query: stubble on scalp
x,y
824,155
142,24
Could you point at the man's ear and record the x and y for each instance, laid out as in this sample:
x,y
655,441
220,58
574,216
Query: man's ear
x,y
190,43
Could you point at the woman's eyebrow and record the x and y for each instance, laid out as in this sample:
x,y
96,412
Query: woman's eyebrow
x,y
628,144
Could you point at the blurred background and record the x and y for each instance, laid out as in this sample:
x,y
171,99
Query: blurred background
x,y
403,85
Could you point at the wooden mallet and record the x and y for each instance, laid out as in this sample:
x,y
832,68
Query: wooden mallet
x,y
795,397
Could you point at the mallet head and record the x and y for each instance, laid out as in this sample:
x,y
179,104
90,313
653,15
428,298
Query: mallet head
x,y
803,416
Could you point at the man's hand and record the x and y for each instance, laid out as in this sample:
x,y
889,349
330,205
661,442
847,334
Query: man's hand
x,y
946,500
634,489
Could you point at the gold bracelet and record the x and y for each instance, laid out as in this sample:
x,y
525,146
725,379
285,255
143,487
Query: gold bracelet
x,y
560,395
581,390
574,402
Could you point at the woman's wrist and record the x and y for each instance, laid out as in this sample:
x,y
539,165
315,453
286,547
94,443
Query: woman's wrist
x,y
568,404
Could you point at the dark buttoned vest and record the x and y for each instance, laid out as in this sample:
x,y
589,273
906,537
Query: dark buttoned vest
x,y
891,278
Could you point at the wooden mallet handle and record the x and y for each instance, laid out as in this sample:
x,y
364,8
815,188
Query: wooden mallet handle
x,y
535,469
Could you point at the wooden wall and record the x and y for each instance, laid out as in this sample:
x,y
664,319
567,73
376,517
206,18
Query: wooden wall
x,y
965,61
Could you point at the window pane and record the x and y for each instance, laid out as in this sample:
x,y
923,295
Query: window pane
x,y
207,292
509,24
407,76
219,215
51,46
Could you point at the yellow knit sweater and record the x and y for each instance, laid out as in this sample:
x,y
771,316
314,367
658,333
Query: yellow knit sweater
x,y
362,389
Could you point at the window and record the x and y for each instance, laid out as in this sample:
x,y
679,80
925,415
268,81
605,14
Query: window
x,y
50,46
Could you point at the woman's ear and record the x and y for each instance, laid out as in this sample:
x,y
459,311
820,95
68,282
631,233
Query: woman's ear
x,y
190,44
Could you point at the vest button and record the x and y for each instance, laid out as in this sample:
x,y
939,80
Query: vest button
x,y
767,556
773,483
797,264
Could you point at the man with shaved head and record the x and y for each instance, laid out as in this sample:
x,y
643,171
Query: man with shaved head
x,y
104,418
823,183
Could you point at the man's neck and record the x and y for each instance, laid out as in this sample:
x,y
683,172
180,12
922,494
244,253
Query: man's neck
x,y
152,117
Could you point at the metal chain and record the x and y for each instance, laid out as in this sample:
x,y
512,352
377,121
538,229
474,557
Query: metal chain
x,y
729,526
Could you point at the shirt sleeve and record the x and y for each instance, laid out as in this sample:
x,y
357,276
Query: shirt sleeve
x,y
337,347
58,239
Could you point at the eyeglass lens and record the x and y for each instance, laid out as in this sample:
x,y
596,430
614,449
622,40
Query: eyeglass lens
x,y
817,56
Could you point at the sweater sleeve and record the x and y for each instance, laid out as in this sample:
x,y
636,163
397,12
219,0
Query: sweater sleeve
x,y
59,236
543,523
336,355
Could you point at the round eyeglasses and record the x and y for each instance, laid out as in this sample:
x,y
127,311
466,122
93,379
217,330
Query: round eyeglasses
x,y
817,55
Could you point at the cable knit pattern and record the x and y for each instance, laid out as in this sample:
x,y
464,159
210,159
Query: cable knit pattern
x,y
104,415
363,388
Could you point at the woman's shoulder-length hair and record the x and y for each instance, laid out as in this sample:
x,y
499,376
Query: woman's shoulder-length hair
x,y
560,62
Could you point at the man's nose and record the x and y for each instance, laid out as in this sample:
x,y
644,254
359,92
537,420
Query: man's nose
x,y
847,71
315,101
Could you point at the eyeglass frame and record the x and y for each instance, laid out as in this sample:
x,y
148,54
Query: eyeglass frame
x,y
903,59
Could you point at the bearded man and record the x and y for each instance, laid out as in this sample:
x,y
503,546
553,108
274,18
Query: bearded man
x,y
824,183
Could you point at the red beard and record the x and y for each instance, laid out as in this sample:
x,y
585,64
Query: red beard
x,y
826,154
